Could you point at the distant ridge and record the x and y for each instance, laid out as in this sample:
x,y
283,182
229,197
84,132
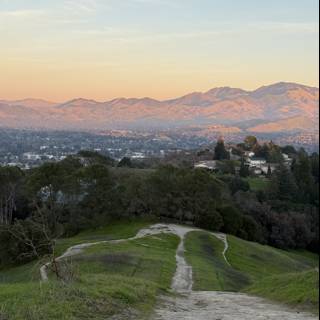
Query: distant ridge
x,y
279,107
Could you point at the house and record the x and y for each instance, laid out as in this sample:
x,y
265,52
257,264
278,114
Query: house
x,y
256,162
265,168
209,165
285,157
233,156
249,154
287,160
257,171
32,156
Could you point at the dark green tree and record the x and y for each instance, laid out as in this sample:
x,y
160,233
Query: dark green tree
x,y
220,152
274,153
125,162
290,150
232,219
250,228
238,184
283,184
302,171
315,166
10,186
244,169
227,167
93,157
269,173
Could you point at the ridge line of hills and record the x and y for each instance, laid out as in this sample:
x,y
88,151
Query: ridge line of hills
x,y
280,107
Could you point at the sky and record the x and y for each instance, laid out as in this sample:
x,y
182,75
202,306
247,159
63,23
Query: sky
x,y
102,49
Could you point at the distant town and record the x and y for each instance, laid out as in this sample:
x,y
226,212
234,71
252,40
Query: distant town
x,y
27,148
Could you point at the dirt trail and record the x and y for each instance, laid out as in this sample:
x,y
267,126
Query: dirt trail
x,y
223,306
223,238
191,305
182,281
203,305
152,230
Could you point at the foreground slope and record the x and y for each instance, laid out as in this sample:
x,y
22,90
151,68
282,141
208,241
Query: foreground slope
x,y
121,279
101,282
287,277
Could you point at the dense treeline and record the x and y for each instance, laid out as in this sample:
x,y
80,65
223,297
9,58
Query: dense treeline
x,y
88,190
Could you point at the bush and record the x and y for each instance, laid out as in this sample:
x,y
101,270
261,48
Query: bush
x,y
210,220
232,219
251,228
238,184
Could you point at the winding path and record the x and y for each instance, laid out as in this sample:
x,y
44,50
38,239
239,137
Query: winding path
x,y
202,305
78,249
214,305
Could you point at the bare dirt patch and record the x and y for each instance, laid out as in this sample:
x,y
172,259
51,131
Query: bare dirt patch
x,y
224,306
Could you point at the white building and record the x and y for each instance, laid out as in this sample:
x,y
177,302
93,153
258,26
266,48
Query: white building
x,y
249,154
256,162
31,156
209,165
287,160
265,168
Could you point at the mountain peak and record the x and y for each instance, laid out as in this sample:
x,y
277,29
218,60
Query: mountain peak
x,y
223,92
133,101
78,102
30,103
280,88
82,100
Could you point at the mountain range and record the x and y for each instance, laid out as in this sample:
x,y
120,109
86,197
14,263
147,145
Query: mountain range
x,y
280,107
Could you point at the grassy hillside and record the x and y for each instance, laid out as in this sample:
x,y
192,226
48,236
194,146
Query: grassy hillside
x,y
210,271
128,276
116,230
288,277
103,280
299,288
259,261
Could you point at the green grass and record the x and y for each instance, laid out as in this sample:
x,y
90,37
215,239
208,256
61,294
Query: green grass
x,y
25,273
288,277
128,276
298,289
260,261
92,297
138,258
112,231
115,230
210,271
258,184
308,258
105,279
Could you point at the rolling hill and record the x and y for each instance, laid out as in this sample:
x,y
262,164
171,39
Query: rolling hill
x,y
281,107
117,280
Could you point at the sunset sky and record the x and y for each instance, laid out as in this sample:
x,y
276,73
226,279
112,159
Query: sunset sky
x,y
102,49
